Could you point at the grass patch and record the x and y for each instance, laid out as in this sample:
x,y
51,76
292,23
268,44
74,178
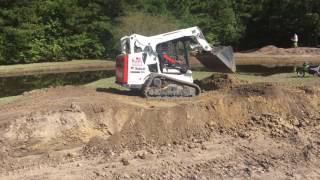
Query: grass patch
x,y
5,100
105,83
110,82
281,78
201,74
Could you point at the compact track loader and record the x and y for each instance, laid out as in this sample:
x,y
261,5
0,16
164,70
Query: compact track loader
x,y
158,66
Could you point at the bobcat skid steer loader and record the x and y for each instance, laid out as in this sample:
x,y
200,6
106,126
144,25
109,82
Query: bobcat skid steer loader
x,y
158,66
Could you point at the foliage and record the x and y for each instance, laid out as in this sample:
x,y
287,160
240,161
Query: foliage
x,y
275,22
58,30
138,22
33,31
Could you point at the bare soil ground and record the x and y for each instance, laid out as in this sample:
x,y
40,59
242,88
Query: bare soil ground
x,y
240,130
273,50
271,56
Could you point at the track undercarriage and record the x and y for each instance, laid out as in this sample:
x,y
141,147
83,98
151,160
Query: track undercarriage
x,y
159,86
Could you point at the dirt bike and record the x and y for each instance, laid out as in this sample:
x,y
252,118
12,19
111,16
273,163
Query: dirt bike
x,y
310,69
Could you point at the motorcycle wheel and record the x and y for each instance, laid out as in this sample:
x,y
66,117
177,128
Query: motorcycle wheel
x,y
301,73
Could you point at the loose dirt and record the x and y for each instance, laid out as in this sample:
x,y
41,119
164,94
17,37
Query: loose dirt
x,y
273,50
218,81
240,130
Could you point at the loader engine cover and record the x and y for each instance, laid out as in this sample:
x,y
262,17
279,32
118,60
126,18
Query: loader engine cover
x,y
122,69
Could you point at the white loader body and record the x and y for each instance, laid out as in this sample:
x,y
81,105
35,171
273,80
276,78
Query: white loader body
x,y
143,56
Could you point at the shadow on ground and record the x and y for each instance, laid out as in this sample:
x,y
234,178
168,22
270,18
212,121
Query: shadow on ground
x,y
120,92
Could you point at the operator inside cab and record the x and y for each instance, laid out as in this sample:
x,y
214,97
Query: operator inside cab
x,y
165,56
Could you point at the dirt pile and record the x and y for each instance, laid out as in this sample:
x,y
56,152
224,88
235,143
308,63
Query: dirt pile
x,y
257,89
273,50
218,81
230,133
114,124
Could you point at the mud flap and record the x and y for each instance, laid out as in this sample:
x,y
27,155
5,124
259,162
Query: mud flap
x,y
220,59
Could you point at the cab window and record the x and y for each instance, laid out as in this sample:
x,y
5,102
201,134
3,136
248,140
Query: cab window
x,y
175,50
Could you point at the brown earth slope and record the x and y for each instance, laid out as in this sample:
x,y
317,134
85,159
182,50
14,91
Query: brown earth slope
x,y
241,130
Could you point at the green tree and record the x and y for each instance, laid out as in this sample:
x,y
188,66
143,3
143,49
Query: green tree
x,y
33,31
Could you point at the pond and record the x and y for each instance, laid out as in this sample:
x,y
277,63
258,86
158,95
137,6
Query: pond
x,y
12,86
265,71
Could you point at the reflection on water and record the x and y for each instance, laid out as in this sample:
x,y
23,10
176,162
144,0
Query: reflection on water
x,y
263,70
11,86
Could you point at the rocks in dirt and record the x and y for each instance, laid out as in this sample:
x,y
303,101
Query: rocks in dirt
x,y
243,134
125,161
294,121
308,89
127,176
255,118
141,154
71,155
311,151
192,145
278,126
74,107
97,108
151,151
204,147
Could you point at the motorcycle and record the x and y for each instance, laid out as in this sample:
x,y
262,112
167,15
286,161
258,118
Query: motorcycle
x,y
310,69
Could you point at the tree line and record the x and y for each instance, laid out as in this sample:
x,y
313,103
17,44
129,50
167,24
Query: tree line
x,y
58,30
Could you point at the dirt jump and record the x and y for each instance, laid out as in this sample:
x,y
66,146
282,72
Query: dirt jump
x,y
272,56
234,129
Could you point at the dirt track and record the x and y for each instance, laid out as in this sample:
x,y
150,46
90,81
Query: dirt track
x,y
271,56
241,130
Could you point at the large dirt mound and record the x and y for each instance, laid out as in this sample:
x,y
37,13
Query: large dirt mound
x,y
273,50
123,124
105,124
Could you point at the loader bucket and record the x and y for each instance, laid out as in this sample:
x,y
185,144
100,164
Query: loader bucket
x,y
220,59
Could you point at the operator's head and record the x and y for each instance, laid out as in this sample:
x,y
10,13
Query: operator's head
x,y
164,47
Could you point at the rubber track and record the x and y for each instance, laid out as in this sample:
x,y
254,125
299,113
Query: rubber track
x,y
152,76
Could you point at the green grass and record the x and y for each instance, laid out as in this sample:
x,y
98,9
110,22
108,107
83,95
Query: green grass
x,y
5,100
105,83
109,82
201,74
281,78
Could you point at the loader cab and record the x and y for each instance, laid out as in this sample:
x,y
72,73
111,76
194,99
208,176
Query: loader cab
x,y
174,56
